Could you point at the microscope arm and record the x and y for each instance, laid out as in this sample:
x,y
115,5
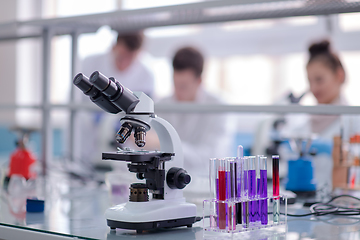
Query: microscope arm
x,y
169,142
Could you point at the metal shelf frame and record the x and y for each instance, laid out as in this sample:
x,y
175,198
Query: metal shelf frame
x,y
214,108
192,13
132,20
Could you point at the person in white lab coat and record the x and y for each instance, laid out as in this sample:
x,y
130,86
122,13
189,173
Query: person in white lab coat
x,y
203,136
126,63
326,76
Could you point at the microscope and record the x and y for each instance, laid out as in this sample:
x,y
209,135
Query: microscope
x,y
161,171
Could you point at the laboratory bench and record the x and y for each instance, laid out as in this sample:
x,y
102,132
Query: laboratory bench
x,y
74,209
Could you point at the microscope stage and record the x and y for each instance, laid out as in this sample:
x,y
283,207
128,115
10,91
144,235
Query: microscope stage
x,y
136,156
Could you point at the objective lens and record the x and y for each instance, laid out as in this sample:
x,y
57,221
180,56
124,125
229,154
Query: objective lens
x,y
124,132
140,134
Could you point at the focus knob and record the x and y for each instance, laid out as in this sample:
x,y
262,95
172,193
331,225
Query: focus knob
x,y
185,178
177,178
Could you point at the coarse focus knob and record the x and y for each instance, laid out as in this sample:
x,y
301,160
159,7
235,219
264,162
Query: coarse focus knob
x,y
138,193
177,178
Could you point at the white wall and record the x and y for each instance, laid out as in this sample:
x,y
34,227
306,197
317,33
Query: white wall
x,y
7,63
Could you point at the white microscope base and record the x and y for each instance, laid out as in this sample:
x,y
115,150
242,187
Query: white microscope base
x,y
151,215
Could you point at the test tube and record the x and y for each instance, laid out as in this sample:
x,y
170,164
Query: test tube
x,y
232,179
238,190
214,189
213,175
231,185
222,194
252,188
240,151
276,188
244,192
257,203
263,191
239,185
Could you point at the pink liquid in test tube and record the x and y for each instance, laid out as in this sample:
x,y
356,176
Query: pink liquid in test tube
x,y
222,195
276,189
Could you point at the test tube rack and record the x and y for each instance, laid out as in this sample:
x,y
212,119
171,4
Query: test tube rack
x,y
239,197
237,220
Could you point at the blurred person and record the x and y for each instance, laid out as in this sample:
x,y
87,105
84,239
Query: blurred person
x,y
326,76
203,136
125,62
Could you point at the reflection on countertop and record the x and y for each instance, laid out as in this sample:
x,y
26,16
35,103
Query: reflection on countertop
x,y
176,233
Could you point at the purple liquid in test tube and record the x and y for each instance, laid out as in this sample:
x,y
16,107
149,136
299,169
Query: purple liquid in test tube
x,y
252,189
257,202
257,214
228,178
263,191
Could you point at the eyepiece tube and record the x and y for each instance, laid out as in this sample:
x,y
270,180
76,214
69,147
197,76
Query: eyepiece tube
x,y
119,95
82,82
97,97
106,85
99,80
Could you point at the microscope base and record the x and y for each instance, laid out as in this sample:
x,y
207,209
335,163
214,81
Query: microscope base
x,y
142,226
151,215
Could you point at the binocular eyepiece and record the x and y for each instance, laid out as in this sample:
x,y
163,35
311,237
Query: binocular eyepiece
x,y
107,93
112,97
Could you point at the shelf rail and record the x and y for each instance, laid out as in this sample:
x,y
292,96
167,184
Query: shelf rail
x,y
214,108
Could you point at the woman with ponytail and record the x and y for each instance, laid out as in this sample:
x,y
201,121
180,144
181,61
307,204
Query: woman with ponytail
x,y
325,73
326,76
